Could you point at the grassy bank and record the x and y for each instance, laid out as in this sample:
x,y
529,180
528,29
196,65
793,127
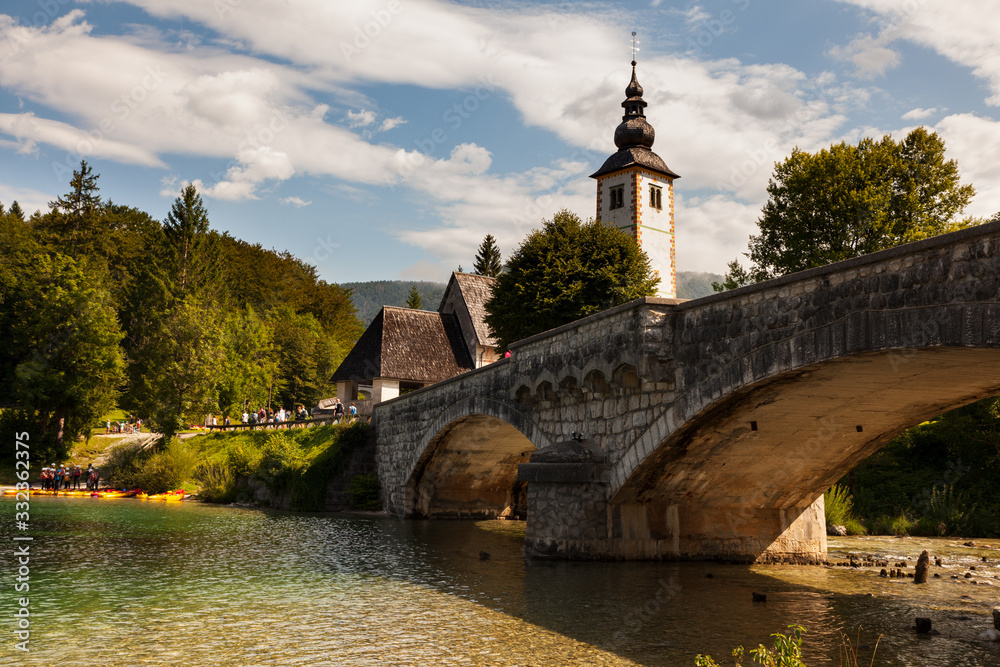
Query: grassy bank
x,y
222,467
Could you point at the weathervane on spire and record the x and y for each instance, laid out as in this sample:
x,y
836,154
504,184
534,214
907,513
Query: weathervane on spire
x,y
635,48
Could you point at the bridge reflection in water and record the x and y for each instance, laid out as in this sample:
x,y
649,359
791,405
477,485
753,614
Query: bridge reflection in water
x,y
712,427
137,583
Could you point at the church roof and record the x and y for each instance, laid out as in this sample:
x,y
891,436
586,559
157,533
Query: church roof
x,y
407,344
636,156
476,290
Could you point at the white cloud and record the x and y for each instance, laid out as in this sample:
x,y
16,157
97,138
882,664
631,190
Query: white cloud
x,y
974,142
919,114
30,200
721,124
390,123
362,118
967,33
870,55
297,202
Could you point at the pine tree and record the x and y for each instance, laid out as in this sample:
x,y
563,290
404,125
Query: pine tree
x,y
15,211
488,261
190,253
76,215
413,300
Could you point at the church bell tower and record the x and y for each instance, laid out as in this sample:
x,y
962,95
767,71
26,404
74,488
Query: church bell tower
x,y
635,190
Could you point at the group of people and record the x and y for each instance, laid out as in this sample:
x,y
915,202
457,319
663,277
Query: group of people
x,y
266,417
67,477
127,427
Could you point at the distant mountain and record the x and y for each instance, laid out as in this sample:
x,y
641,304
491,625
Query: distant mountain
x,y
694,284
371,296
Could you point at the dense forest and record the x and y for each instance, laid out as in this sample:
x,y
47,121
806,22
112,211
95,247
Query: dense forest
x,y
104,306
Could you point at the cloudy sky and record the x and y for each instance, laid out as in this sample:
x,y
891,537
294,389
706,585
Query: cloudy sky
x,y
383,139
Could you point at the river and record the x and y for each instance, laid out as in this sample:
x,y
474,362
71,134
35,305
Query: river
x,y
126,582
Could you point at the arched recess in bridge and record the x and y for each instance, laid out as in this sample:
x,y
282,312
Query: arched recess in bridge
x,y
750,463
469,470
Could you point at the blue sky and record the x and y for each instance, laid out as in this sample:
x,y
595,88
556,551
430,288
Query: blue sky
x,y
384,139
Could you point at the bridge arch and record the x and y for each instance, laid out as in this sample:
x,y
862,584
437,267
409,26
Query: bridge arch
x,y
769,450
468,461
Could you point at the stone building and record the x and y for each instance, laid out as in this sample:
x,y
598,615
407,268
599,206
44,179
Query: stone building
x,y
635,190
405,349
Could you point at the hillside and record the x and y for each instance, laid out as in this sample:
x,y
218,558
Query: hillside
x,y
369,297
694,284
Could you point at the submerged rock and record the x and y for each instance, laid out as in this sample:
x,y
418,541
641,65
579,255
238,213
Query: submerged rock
x,y
991,635
923,625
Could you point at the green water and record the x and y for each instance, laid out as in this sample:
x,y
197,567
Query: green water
x,y
126,582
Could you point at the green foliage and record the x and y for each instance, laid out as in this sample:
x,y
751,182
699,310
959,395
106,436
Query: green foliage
x,y
488,261
298,461
281,461
787,652
565,271
839,505
63,360
75,217
217,483
413,301
134,466
947,513
946,470
848,201
364,492
251,367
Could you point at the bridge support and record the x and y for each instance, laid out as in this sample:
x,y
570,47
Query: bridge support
x,y
570,516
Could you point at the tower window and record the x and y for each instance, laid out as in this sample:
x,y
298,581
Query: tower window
x,y
616,195
656,197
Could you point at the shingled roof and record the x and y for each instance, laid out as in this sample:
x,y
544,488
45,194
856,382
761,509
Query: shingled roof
x,y
476,290
406,344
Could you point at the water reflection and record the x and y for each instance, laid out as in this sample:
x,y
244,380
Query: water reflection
x,y
124,582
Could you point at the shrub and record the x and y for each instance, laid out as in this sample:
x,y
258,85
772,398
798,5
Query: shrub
x,y
281,461
892,525
217,482
839,505
855,527
134,466
946,513
787,652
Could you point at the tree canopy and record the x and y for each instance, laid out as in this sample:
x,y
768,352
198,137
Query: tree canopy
x,y
102,305
566,270
849,200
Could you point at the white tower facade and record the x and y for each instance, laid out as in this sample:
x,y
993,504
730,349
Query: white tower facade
x,y
635,190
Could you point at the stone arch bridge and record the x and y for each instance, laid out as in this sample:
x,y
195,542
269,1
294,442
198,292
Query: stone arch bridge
x,y
711,428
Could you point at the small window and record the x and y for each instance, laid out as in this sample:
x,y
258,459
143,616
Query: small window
x,y
616,195
656,197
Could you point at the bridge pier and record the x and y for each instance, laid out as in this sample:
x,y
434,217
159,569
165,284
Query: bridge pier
x,y
570,516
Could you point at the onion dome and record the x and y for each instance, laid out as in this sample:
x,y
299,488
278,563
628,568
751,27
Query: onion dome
x,y
634,136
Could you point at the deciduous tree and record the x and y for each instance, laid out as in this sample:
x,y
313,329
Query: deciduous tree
x,y
565,271
848,200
